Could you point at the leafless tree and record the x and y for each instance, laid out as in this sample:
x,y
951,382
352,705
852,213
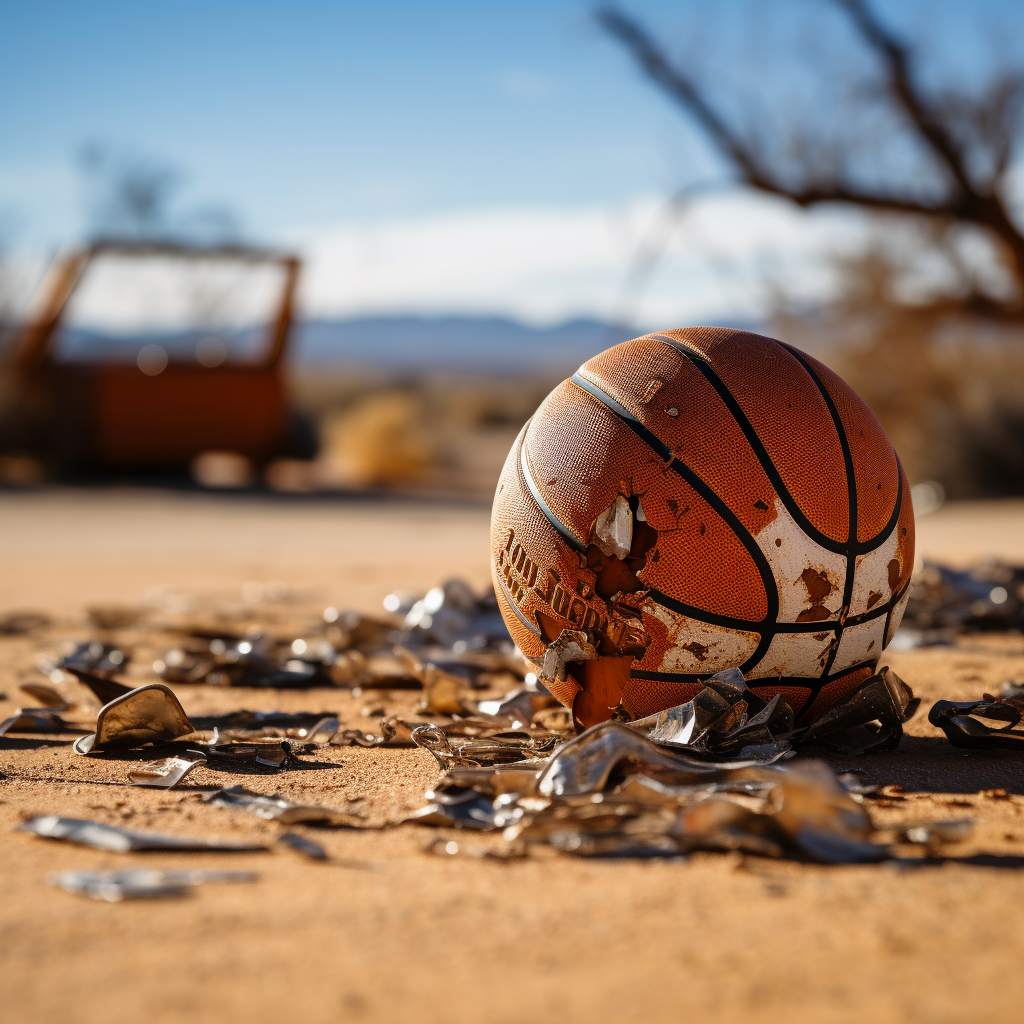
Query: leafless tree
x,y
964,141
132,196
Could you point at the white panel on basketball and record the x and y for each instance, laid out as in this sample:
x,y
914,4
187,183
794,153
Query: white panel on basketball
x,y
896,616
700,647
794,654
792,557
871,577
859,643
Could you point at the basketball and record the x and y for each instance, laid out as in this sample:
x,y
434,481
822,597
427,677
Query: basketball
x,y
696,500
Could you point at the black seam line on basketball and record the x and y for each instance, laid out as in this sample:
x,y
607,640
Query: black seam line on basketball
x,y
814,684
857,547
570,537
882,536
757,446
746,626
515,610
710,496
891,607
851,491
704,490
822,682
861,548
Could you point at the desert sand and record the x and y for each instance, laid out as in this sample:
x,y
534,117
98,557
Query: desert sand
x,y
387,931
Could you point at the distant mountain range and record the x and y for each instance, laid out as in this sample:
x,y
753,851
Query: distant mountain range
x,y
459,344
454,343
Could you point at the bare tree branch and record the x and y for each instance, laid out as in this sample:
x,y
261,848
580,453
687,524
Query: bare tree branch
x,y
972,196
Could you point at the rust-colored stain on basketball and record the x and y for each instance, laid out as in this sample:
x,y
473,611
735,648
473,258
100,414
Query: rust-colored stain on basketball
x,y
693,500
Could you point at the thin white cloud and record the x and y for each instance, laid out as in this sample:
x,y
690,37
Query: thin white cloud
x,y
718,259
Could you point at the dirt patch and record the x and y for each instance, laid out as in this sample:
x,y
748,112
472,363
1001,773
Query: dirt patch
x,y
384,929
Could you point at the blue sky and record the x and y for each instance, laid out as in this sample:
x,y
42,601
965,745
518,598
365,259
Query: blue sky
x,y
310,120
304,112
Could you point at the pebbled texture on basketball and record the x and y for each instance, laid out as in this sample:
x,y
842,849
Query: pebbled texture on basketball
x,y
695,500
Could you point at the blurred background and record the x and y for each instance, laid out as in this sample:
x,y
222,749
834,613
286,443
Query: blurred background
x,y
319,247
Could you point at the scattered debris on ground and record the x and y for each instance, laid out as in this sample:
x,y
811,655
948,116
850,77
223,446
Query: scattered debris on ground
x,y
945,601
718,773
706,775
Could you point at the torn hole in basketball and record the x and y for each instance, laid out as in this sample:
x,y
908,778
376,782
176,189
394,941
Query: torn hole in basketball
x,y
602,681
619,573
570,645
612,531
613,565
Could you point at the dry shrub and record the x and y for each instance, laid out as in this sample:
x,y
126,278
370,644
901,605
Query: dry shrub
x,y
379,440
444,432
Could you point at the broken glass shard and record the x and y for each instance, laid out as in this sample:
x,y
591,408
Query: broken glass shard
x,y
136,883
149,714
302,845
167,772
120,840
277,808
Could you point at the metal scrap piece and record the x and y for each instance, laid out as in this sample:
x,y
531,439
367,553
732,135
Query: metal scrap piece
x,y
268,756
849,725
725,719
302,845
282,724
277,808
135,883
394,732
45,696
268,732
322,732
704,775
17,623
120,840
167,772
520,705
444,693
465,809
34,720
220,659
103,689
275,756
569,645
586,763
453,616
459,744
820,817
90,656
959,721
148,714
938,833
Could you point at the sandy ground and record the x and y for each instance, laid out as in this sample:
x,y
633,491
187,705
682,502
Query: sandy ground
x,y
386,931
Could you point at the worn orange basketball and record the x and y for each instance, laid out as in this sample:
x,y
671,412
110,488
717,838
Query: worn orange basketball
x,y
695,500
